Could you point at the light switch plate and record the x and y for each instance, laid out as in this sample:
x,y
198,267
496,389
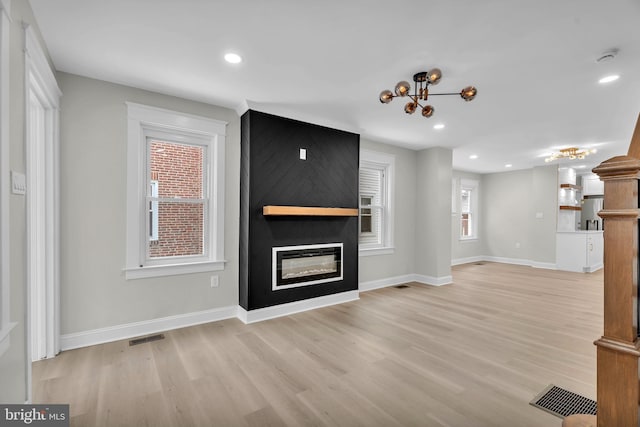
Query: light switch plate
x,y
18,183
303,154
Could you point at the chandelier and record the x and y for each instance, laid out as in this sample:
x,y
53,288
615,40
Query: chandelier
x,y
570,153
421,92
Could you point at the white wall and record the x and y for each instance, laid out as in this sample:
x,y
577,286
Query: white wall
x,y
519,216
544,216
506,208
402,261
13,363
94,292
433,214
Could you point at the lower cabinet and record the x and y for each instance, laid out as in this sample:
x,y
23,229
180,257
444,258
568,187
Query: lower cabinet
x,y
580,251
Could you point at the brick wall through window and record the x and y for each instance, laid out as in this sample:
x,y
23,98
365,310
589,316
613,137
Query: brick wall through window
x,y
178,170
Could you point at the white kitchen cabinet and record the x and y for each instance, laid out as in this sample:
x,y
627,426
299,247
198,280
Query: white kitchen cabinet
x,y
592,186
580,251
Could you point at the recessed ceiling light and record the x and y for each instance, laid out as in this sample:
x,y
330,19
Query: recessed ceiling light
x,y
508,165
473,156
609,79
233,58
438,126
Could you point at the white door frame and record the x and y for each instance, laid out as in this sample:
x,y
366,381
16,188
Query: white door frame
x,y
43,219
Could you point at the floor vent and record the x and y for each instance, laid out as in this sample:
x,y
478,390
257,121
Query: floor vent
x,y
143,340
562,403
402,286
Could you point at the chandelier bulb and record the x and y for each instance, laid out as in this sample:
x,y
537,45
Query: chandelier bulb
x,y
427,111
410,108
468,93
386,96
433,76
402,88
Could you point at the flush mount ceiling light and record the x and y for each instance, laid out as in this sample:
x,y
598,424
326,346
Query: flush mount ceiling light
x,y
438,126
422,81
232,58
608,56
570,153
609,79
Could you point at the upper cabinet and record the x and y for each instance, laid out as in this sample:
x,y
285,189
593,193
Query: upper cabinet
x,y
592,186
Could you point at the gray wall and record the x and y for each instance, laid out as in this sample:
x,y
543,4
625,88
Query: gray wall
x,y
93,160
509,204
545,201
13,363
402,261
433,212
506,209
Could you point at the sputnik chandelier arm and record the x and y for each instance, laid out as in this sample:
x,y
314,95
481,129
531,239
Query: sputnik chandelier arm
x,y
422,81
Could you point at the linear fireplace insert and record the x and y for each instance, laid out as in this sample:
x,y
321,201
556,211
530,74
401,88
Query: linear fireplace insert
x,y
305,265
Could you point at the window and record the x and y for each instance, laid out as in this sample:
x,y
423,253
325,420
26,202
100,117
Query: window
x,y
468,209
376,207
175,193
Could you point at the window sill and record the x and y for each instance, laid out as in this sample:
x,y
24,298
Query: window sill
x,y
172,269
5,335
376,251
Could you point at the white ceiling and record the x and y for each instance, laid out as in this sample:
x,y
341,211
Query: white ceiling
x,y
533,62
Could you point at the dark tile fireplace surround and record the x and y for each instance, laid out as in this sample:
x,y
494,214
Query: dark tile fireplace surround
x,y
305,247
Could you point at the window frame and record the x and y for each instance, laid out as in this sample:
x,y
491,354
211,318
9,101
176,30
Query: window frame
x,y
386,163
171,126
472,186
5,260
153,211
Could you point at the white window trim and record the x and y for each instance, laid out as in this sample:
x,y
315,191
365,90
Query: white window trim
x,y
5,278
387,162
143,120
474,185
153,211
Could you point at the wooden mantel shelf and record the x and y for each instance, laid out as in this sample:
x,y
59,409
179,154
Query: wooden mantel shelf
x,y
571,186
307,211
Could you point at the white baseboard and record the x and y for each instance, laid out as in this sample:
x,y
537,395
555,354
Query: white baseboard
x,y
433,281
383,283
544,265
266,313
503,260
146,327
467,260
406,278
593,268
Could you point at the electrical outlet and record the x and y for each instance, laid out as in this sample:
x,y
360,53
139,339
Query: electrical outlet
x,y
214,281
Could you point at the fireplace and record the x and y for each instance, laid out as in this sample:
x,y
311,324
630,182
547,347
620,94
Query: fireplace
x,y
304,265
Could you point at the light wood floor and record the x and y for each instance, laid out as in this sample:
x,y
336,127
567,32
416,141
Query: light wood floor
x,y
469,354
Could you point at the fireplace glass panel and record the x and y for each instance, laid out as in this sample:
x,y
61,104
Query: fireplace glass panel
x,y
306,265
